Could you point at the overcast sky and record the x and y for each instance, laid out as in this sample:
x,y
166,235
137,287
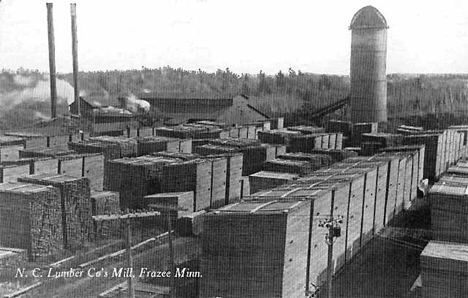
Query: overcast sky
x,y
245,35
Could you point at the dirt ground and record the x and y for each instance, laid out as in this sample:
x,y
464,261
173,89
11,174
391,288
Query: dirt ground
x,y
389,265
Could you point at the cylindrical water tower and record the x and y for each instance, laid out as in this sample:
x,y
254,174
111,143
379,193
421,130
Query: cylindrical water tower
x,y
368,66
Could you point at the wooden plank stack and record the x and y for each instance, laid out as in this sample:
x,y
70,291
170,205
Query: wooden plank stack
x,y
434,157
317,160
266,180
260,238
444,268
30,140
150,144
190,225
448,202
127,146
362,128
192,175
94,170
339,126
283,136
183,200
44,152
30,218
463,131
11,173
75,207
372,142
135,178
335,154
306,129
300,167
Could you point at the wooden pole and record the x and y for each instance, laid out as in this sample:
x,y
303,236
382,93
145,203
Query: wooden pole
x,y
53,83
330,262
131,290
75,56
171,254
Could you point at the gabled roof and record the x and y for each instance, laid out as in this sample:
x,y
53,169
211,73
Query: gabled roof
x,y
368,18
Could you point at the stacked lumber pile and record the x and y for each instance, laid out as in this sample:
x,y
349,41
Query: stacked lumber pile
x,y
75,207
434,159
206,177
10,147
110,151
233,175
444,270
306,130
359,129
339,126
283,136
263,125
193,131
128,146
135,178
300,167
448,217
335,154
194,175
276,123
408,130
309,142
30,218
150,144
44,152
11,173
443,149
254,153
190,224
266,180
317,160
260,238
104,203
30,140
463,131
176,155
182,200
372,142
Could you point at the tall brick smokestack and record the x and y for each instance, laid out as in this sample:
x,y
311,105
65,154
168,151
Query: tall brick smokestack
x,y
368,66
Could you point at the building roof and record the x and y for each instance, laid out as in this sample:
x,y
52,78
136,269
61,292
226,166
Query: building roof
x,y
368,18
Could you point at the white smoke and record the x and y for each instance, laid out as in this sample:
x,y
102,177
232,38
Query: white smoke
x,y
23,80
33,89
111,109
40,116
134,104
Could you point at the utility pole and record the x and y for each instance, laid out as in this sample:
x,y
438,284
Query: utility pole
x,y
168,209
53,82
128,237
334,231
75,56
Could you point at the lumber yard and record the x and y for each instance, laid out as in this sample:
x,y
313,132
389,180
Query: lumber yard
x,y
243,209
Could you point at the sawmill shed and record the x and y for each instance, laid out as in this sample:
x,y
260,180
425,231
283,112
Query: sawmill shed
x,y
187,107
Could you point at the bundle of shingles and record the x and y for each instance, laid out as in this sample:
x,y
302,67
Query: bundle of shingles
x,y
444,270
76,210
30,218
